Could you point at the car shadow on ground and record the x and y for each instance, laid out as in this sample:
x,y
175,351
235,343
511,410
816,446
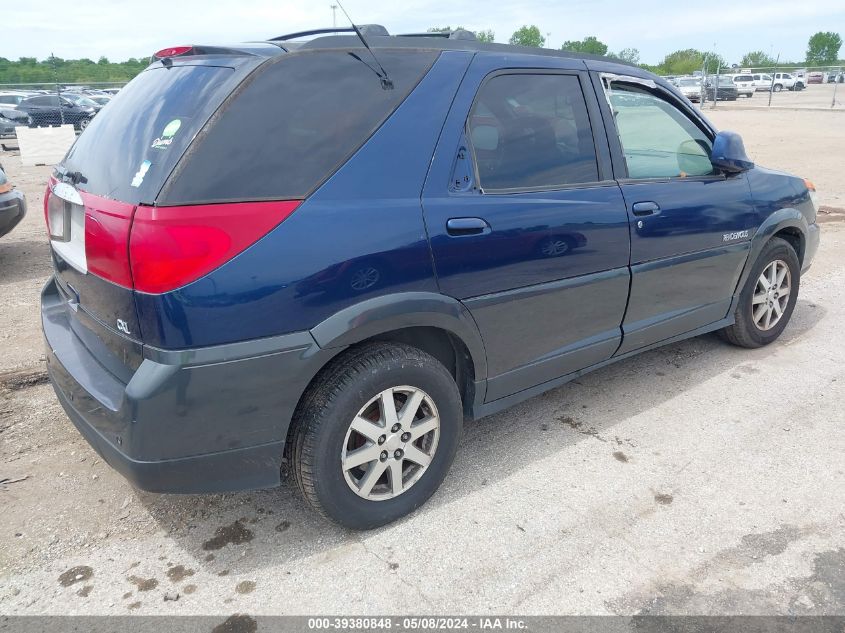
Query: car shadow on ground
x,y
232,533
23,260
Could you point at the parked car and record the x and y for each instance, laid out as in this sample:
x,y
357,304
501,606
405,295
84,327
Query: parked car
x,y
834,77
12,99
815,78
690,87
786,81
214,312
10,120
744,85
12,205
762,82
726,90
47,110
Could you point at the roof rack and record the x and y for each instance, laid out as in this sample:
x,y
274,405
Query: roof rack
x,y
366,29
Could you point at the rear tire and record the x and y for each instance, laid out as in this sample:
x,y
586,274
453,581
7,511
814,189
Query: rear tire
x,y
778,88
756,301
344,419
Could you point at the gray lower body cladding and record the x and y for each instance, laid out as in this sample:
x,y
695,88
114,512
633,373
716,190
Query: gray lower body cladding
x,y
189,421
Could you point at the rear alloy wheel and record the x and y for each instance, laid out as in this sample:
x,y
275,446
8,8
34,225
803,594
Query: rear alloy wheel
x,y
376,434
768,298
390,443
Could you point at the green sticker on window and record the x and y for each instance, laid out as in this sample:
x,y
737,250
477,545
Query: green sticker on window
x,y
166,138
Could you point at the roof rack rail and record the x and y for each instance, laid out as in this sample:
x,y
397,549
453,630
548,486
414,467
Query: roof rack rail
x,y
366,29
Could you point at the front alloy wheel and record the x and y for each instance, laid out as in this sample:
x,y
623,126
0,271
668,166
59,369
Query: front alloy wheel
x,y
771,295
768,296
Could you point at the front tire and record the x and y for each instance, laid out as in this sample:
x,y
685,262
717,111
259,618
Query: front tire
x,y
768,298
376,434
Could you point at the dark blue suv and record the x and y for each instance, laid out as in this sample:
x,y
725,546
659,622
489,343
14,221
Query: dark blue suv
x,y
328,256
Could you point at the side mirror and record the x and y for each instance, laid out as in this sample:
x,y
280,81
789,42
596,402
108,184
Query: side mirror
x,y
729,153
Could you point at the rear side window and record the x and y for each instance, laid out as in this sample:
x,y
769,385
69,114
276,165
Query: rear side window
x,y
658,140
130,148
292,125
532,131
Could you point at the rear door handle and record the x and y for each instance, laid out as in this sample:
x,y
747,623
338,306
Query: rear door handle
x,y
458,227
645,208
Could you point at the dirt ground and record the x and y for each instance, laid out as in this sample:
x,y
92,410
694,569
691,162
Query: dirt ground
x,y
697,478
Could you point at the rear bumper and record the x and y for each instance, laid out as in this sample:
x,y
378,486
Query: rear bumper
x,y
190,421
12,210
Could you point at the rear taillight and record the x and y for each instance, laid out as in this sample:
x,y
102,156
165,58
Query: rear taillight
x,y
153,249
170,247
107,224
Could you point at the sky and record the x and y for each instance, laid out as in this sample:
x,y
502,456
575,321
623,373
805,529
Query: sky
x,y
120,29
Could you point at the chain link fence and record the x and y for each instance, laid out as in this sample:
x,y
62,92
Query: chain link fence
x,y
789,86
46,105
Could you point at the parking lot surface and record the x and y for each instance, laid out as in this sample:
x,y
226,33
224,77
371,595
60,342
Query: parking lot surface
x,y
697,478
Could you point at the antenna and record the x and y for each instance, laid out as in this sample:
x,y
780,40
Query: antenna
x,y
386,82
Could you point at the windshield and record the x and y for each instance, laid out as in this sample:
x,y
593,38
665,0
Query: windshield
x,y
82,101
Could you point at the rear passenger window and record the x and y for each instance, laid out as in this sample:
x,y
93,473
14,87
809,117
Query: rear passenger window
x,y
532,131
658,140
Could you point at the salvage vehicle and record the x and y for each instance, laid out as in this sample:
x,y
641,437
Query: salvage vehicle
x,y
12,205
325,256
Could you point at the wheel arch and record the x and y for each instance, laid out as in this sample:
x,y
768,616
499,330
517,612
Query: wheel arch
x,y
435,323
788,224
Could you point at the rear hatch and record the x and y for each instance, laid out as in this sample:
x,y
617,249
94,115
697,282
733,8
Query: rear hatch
x,y
117,165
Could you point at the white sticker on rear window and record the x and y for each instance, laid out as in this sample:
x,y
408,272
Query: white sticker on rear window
x,y
142,171
167,134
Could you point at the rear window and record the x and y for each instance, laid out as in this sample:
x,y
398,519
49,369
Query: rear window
x,y
130,148
292,125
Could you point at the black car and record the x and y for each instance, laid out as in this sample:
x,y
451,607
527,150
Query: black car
x,y
12,205
10,119
56,110
726,90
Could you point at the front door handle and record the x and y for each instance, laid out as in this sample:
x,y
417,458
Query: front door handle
x,y
458,227
645,208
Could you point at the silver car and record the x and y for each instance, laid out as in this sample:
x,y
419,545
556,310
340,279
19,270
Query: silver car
x,y
690,87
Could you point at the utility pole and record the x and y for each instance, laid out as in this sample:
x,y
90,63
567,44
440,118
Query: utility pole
x,y
334,16
548,40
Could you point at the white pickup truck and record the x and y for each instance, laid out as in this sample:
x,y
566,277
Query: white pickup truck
x,y
747,83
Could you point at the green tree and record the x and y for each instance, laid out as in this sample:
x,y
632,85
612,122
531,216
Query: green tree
x,y
823,48
756,59
528,36
590,45
486,36
686,61
630,55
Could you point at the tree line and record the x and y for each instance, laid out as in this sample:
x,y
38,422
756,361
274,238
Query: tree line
x,y
822,49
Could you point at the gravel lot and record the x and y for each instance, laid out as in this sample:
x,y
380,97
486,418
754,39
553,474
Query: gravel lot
x,y
698,478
